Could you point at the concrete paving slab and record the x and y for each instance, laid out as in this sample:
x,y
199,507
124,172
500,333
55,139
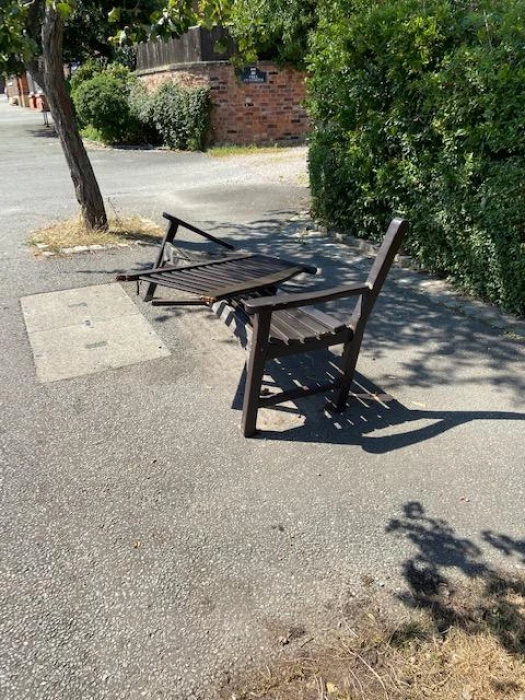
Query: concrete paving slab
x,y
74,306
87,330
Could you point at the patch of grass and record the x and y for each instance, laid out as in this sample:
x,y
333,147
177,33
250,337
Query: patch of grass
x,y
303,179
470,645
232,150
92,134
57,235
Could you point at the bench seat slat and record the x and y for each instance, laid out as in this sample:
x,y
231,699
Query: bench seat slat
x,y
291,327
314,329
225,276
183,285
210,278
331,322
258,283
299,325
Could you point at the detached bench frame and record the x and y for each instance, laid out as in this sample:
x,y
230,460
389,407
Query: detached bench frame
x,y
211,276
169,237
269,313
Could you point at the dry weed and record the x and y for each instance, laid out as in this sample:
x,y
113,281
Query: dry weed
x,y
57,235
480,655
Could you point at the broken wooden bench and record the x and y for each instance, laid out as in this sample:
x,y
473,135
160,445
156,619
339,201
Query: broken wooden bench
x,y
281,323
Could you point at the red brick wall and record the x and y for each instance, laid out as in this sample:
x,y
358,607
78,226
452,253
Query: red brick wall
x,y
245,113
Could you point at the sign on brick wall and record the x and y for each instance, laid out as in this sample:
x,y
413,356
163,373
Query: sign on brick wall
x,y
253,75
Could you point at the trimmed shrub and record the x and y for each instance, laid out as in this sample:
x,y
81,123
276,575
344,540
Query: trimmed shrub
x,y
418,110
182,116
141,107
113,104
85,72
102,103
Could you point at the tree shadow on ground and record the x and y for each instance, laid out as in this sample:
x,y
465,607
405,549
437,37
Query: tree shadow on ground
x,y
493,601
45,132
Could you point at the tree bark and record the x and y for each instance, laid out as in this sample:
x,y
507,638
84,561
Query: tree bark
x,y
86,186
33,27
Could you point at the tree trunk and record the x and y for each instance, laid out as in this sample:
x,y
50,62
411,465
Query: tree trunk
x,y
34,65
86,186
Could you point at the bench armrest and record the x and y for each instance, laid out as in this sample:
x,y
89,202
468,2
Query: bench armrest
x,y
200,232
290,301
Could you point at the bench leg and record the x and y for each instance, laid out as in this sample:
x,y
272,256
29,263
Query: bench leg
x,y
168,238
255,373
348,365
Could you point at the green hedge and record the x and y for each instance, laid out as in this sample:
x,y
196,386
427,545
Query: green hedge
x,y
182,116
418,109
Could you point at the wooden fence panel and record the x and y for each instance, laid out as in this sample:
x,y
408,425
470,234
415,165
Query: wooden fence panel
x,y
196,46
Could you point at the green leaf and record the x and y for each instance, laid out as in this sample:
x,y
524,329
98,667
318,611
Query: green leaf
x,y
114,15
64,9
123,38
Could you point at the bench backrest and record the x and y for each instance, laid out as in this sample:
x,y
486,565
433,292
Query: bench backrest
x,y
379,271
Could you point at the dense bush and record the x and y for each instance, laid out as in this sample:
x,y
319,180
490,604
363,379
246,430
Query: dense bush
x,y
114,106
418,109
85,72
141,107
182,116
102,103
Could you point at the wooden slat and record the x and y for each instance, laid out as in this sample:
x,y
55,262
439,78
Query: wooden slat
x,y
237,270
177,302
130,277
199,277
183,285
227,273
219,261
280,349
277,332
259,283
211,278
290,327
331,322
313,329
296,325
215,280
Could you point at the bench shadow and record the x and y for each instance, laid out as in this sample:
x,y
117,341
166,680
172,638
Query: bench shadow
x,y
373,419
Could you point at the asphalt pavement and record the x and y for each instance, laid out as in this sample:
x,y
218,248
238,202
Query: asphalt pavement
x,y
147,549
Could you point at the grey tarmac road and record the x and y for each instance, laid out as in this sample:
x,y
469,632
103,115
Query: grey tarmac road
x,y
146,548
